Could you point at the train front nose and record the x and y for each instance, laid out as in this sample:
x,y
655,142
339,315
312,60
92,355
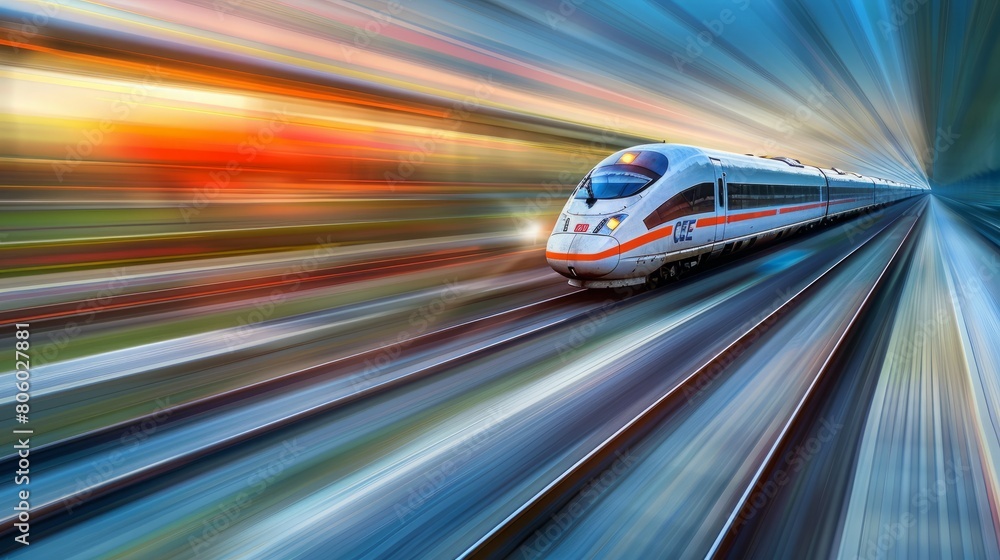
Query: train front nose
x,y
582,255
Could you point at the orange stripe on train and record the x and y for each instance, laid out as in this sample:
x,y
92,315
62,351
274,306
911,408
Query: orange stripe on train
x,y
752,215
624,247
664,232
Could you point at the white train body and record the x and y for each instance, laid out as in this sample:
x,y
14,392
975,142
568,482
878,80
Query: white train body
x,y
649,209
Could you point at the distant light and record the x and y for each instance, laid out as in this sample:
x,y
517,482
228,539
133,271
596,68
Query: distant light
x,y
627,157
613,223
530,232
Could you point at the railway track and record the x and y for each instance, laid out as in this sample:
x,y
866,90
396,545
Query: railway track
x,y
185,409
505,537
723,543
209,405
150,301
177,413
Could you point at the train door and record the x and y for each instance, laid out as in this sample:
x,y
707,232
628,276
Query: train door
x,y
720,202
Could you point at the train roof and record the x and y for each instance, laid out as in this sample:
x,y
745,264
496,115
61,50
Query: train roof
x,y
678,152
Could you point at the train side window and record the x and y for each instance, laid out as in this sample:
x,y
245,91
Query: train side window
x,y
701,198
698,199
744,196
722,198
737,196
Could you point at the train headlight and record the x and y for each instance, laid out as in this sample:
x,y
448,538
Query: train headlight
x,y
608,225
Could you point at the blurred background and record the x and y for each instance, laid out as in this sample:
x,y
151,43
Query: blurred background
x,y
308,237
213,127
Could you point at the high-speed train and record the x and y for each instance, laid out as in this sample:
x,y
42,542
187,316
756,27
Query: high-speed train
x,y
650,211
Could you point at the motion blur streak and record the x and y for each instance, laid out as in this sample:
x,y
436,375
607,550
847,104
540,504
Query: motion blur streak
x,y
923,421
283,265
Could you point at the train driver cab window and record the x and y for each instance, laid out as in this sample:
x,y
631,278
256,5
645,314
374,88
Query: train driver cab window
x,y
698,199
622,175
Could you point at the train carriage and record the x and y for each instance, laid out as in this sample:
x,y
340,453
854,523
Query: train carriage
x,y
651,210
848,192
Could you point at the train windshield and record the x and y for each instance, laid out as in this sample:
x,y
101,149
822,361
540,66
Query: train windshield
x,y
623,174
612,184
